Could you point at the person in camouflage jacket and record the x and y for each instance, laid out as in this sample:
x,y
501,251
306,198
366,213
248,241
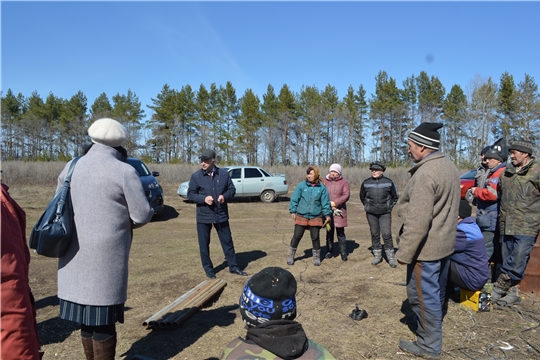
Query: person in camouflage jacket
x,y
519,219
268,309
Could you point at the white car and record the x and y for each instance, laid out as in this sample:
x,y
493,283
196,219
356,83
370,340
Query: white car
x,y
251,181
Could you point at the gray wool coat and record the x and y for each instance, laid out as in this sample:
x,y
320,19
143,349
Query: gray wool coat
x,y
428,210
108,201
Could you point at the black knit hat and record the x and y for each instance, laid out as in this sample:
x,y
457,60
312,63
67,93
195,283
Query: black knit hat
x,y
268,295
521,145
501,147
377,165
485,150
465,209
494,154
426,134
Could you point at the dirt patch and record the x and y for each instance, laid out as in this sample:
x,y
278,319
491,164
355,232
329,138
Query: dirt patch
x,y
165,264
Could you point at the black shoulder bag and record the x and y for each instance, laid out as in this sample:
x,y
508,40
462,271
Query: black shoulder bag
x,y
52,233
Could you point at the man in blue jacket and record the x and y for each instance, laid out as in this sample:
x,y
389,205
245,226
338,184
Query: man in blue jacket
x,y
210,188
469,262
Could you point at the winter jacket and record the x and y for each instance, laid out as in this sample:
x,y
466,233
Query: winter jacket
x,y
428,210
201,185
379,195
339,192
19,334
275,340
487,200
108,202
519,191
310,200
470,255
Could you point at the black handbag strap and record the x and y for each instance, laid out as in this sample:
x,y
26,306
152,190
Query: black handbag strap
x,y
67,181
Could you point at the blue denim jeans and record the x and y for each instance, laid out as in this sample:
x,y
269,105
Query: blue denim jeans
x,y
515,253
426,291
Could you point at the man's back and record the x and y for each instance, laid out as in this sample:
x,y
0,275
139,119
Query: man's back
x,y
428,209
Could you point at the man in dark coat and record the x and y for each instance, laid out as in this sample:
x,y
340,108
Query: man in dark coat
x,y
210,188
519,219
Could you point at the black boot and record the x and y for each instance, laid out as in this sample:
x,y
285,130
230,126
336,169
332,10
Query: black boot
x,y
329,249
343,249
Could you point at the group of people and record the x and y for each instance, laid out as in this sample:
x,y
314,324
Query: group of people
x,y
507,196
316,202
437,239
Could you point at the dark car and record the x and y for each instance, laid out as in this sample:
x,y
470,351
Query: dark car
x,y
466,181
152,189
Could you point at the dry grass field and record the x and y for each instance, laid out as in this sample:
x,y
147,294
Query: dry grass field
x,y
165,264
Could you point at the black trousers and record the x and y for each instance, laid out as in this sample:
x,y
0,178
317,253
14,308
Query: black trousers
x,y
314,231
225,238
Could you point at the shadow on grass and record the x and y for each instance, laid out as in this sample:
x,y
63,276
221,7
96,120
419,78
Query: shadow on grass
x,y
243,259
168,213
409,317
48,301
56,330
167,343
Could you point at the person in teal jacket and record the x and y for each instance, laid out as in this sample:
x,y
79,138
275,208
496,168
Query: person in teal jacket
x,y
310,204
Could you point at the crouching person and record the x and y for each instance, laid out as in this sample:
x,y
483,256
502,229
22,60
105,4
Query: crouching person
x,y
268,308
469,263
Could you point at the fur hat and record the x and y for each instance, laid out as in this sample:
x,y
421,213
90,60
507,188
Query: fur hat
x,y
377,165
336,168
426,135
465,209
268,295
521,145
107,132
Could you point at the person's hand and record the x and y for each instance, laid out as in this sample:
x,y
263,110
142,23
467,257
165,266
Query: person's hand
x,y
293,216
333,204
221,199
209,200
328,219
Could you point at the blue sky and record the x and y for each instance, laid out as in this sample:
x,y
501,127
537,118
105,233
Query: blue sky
x,y
96,47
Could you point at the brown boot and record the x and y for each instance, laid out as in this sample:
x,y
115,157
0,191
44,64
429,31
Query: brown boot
x,y
105,349
88,348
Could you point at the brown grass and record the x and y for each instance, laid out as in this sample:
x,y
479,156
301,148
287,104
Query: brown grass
x,y
165,264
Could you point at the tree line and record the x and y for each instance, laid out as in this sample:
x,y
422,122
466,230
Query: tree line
x,y
312,126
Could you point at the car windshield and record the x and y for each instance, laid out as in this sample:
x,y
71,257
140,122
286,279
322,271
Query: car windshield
x,y
469,175
141,168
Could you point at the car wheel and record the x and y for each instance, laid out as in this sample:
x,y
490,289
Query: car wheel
x,y
268,196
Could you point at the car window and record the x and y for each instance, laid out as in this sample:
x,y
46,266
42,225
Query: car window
x,y
469,175
265,173
139,166
235,173
250,173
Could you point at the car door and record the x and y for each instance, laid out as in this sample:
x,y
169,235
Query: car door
x,y
254,181
236,178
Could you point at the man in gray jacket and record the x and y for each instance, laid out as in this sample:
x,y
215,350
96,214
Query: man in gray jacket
x,y
428,209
